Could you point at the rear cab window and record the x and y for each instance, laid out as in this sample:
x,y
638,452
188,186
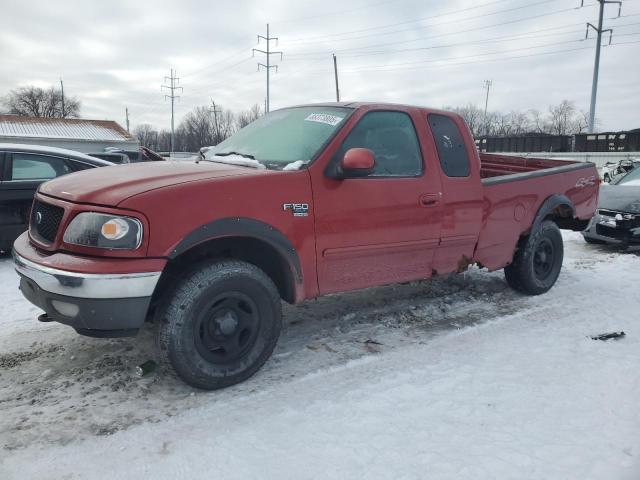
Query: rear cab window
x,y
454,158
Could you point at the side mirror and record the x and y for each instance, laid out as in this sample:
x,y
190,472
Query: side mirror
x,y
357,162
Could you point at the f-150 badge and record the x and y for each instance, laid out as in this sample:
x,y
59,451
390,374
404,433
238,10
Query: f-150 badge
x,y
298,209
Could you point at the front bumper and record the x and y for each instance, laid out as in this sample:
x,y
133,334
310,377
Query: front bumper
x,y
606,229
102,305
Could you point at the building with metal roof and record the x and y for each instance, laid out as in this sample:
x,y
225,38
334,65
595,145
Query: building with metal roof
x,y
82,135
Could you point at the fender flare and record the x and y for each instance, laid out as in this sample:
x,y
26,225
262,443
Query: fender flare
x,y
550,204
242,227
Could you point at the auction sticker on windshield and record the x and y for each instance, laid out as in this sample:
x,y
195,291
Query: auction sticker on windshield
x,y
324,118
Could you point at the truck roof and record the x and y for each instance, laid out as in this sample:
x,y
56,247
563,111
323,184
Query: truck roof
x,y
382,105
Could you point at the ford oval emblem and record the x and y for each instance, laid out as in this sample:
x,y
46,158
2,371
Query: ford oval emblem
x,y
38,218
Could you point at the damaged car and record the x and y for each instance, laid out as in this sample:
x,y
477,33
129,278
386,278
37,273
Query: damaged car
x,y
617,219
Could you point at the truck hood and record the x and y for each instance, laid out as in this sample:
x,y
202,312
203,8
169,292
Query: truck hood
x,y
109,186
621,198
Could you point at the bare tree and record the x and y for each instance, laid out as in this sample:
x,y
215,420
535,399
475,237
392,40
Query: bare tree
x,y
538,122
561,118
245,117
146,135
37,102
473,115
196,130
581,122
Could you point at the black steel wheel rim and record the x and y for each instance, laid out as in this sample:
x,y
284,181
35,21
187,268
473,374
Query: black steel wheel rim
x,y
227,327
543,259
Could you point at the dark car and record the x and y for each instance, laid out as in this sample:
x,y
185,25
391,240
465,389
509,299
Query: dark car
x,y
22,169
115,155
617,220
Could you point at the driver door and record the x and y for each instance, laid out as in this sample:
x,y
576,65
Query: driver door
x,y
384,227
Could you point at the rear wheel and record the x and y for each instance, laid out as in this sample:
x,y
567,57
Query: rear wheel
x,y
220,325
538,260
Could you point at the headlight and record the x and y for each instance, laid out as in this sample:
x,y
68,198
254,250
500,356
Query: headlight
x,y
101,230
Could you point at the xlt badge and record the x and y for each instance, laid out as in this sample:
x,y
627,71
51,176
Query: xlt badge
x,y
298,209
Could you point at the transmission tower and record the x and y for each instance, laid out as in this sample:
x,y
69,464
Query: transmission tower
x,y
596,66
172,87
268,65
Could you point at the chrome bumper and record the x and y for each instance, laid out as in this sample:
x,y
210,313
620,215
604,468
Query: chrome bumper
x,y
86,285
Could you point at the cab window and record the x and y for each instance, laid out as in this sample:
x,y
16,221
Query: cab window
x,y
392,139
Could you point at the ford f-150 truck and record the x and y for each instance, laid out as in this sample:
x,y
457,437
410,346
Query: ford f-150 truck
x,y
305,201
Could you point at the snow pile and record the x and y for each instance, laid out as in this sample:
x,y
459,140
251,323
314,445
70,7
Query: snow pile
x,y
294,165
236,160
524,393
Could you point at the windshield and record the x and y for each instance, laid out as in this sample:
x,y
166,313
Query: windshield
x,y
631,178
283,137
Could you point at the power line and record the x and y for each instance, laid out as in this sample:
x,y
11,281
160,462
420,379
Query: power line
x,y
420,62
331,14
484,60
518,36
473,29
431,25
217,62
389,25
172,87
267,54
596,64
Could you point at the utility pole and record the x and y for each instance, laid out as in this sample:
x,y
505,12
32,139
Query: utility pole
x,y
215,112
126,116
487,85
335,73
172,87
596,65
62,89
267,54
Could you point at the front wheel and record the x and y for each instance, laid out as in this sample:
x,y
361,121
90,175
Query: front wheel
x,y
538,260
220,324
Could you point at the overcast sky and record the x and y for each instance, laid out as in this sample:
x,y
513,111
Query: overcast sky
x,y
116,53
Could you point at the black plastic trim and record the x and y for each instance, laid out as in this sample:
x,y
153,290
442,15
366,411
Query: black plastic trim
x,y
242,227
549,205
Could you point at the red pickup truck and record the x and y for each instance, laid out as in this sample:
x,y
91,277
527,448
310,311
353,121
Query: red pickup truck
x,y
303,202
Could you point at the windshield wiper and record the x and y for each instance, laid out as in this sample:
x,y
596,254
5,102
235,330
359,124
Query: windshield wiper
x,y
226,154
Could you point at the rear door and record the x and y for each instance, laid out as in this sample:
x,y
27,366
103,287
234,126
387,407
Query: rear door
x,y
462,199
385,227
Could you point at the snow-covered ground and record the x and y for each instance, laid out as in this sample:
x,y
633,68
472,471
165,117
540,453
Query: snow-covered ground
x,y
458,378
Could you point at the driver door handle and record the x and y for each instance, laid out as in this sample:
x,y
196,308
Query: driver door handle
x,y
430,199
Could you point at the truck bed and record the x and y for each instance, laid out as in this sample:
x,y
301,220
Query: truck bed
x,y
494,168
514,189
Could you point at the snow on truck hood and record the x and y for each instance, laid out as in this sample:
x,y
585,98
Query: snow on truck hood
x,y
111,185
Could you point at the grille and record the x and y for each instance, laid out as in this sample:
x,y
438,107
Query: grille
x,y
45,220
607,213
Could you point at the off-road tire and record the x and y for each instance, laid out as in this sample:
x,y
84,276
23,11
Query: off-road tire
x,y
527,273
188,312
